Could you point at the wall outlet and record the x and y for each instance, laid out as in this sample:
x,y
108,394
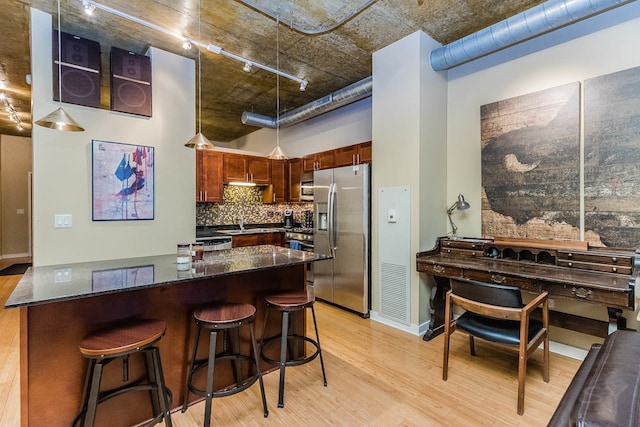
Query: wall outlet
x,y
62,275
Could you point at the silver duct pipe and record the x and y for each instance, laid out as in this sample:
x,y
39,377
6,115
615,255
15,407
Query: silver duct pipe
x,y
352,93
533,22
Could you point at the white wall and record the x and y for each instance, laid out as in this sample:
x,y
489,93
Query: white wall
x,y
345,126
596,46
62,164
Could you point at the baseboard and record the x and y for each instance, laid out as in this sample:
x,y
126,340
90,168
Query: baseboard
x,y
23,255
416,330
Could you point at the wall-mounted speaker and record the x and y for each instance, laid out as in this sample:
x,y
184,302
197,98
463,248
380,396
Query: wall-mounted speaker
x,y
80,67
130,82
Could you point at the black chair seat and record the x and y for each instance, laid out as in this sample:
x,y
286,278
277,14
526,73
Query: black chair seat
x,y
496,330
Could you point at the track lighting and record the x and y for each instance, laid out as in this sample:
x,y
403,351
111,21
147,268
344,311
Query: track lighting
x,y
210,47
303,85
247,67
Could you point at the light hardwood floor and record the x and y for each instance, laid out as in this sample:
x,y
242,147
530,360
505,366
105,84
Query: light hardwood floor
x,y
377,376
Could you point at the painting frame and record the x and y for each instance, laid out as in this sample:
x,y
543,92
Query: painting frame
x,y
123,181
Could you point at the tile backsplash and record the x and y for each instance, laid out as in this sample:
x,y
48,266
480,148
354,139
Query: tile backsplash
x,y
246,203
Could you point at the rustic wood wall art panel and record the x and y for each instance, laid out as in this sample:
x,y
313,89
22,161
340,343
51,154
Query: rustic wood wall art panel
x,y
531,165
612,158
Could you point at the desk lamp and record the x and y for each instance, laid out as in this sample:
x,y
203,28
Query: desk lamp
x,y
460,205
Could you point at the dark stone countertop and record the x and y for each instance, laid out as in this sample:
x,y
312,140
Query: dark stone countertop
x,y
47,284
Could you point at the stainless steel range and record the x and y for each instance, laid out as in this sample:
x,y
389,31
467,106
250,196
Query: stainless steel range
x,y
301,238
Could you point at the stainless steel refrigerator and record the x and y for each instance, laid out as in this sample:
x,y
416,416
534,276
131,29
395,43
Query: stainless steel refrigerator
x,y
342,205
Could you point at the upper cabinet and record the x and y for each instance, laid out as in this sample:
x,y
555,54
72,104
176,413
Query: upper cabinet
x,y
318,161
208,176
240,168
276,192
294,176
353,154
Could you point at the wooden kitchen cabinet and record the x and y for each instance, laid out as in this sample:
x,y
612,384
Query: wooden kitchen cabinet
x,y
276,192
364,151
259,170
294,167
241,168
353,154
318,161
235,168
209,176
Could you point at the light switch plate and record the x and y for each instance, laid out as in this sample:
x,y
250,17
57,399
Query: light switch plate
x,y
62,220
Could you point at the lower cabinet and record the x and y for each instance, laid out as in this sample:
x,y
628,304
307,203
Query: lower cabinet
x,y
276,239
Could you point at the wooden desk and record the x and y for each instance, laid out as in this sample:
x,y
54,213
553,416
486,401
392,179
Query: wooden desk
x,y
572,270
59,305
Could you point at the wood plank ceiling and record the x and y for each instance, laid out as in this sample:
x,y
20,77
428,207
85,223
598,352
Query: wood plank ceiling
x,y
329,61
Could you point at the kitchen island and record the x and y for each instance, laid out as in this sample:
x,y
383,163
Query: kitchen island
x,y
61,304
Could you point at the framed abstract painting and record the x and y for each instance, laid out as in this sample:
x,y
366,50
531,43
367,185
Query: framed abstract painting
x,y
122,181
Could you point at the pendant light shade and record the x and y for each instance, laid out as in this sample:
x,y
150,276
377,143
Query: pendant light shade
x,y
200,142
60,120
277,154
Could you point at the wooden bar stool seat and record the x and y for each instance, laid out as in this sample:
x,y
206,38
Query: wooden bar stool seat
x,y
288,303
122,341
227,317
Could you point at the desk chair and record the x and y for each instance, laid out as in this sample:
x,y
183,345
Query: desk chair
x,y
496,313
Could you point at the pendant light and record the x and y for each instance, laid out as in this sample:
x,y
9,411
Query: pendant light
x,y
277,153
199,141
59,119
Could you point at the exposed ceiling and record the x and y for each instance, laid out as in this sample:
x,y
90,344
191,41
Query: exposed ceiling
x,y
329,61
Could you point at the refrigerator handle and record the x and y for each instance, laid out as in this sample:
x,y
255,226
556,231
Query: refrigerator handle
x,y
331,219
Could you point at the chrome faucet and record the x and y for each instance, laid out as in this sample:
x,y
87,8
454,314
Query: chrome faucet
x,y
241,223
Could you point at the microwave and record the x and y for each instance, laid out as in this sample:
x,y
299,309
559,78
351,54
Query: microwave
x,y
306,187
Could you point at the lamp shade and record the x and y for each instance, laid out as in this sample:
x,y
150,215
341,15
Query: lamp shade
x,y
60,120
462,204
277,154
200,142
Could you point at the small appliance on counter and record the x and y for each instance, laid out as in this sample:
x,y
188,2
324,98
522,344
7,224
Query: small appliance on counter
x,y
288,218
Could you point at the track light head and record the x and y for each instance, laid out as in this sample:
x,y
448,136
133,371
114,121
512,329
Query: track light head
x,y
247,67
186,44
89,7
303,85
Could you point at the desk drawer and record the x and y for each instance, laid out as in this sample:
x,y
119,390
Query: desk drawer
x,y
440,270
463,252
463,244
579,293
499,279
622,260
608,268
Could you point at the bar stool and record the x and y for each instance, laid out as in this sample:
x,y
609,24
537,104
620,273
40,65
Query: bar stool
x,y
121,341
224,317
288,303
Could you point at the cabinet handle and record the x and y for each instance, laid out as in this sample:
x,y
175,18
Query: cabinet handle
x,y
614,259
353,159
438,269
497,278
581,292
358,159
